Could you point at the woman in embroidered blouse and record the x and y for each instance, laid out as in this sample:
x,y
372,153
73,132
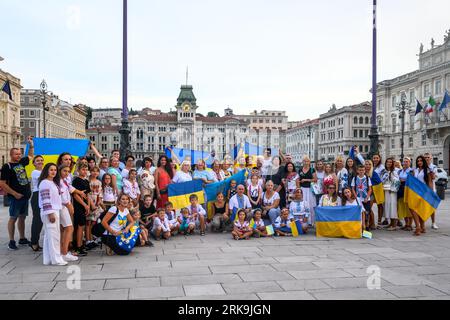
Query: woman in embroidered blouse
x,y
402,207
391,183
330,199
50,204
292,181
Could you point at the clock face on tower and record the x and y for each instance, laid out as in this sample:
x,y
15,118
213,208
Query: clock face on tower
x,y
186,107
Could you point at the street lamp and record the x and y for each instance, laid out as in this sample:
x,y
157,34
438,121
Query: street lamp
x,y
309,137
402,107
44,102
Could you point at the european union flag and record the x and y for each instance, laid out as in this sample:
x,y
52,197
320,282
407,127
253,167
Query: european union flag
x,y
419,108
445,101
6,88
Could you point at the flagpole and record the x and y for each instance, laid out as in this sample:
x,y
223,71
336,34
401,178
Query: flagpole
x,y
125,130
374,137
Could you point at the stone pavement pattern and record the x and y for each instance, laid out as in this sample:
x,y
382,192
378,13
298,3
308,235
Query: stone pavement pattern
x,y
217,267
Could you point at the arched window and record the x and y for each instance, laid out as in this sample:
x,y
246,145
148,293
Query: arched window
x,y
367,120
355,120
361,120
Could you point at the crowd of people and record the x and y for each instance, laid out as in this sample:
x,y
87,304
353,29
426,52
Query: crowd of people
x,y
101,201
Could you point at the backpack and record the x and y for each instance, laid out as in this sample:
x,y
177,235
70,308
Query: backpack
x,y
98,229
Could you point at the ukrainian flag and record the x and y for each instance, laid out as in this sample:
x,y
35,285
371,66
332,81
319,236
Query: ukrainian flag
x,y
188,154
212,189
377,188
338,222
50,149
296,227
420,198
248,149
179,193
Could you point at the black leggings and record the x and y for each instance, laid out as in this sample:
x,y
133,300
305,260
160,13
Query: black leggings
x,y
36,225
110,241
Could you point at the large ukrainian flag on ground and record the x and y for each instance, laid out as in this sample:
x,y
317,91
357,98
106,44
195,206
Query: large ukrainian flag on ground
x,y
377,188
179,193
212,189
420,198
338,222
50,149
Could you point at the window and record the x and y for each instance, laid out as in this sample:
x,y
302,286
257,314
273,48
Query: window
x,y
116,139
424,139
92,138
411,96
32,124
151,129
21,124
393,143
394,125
438,87
104,139
426,90
361,133
435,138
380,105
367,133
367,120
104,147
366,149
411,142
361,120
355,133
21,113
172,129
32,113
394,101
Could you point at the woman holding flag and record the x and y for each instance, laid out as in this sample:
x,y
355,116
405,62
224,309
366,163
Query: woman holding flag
x,y
423,174
379,168
402,208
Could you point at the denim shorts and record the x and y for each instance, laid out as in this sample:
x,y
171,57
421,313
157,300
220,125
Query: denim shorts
x,y
18,207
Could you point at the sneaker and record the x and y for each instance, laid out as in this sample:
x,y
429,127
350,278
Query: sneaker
x,y
69,258
12,245
202,233
62,263
24,241
434,226
80,252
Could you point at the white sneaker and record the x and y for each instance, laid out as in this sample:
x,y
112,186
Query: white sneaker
x,y
434,226
69,257
62,263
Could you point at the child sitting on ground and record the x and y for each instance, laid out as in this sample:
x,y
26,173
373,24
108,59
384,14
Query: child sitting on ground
x,y
143,236
187,226
198,214
241,227
282,222
161,228
259,228
172,217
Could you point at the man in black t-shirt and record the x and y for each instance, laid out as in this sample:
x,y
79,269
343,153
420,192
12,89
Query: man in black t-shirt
x,y
15,183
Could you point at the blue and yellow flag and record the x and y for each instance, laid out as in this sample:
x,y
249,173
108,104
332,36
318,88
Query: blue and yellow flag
x,y
190,155
296,227
179,193
249,149
50,149
338,222
212,189
420,198
377,188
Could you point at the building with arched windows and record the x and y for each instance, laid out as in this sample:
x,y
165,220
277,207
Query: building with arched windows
x,y
422,133
340,129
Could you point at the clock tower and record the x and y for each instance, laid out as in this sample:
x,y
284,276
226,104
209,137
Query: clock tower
x,y
186,104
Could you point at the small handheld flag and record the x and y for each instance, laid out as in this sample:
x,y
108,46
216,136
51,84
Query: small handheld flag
x,y
270,230
296,227
367,234
6,88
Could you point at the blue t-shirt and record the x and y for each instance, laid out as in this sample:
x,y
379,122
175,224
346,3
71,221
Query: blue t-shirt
x,y
202,174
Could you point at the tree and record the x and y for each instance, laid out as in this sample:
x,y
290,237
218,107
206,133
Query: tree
x,y
212,114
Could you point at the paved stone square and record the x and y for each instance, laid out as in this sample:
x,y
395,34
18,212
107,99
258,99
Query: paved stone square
x,y
217,267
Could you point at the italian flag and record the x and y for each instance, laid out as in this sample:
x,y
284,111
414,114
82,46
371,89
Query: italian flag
x,y
430,105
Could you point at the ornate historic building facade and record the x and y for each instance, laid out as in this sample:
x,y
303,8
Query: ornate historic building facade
x,y
423,133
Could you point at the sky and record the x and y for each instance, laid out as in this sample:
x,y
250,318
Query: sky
x,y
301,56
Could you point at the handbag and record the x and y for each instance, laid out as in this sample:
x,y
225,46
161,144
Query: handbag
x,y
98,229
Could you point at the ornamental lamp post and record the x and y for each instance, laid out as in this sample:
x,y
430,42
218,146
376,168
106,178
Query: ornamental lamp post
x,y
44,104
402,107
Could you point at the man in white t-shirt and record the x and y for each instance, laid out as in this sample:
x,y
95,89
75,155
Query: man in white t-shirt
x,y
433,173
240,201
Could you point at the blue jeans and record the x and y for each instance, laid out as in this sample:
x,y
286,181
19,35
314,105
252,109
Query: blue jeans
x,y
273,214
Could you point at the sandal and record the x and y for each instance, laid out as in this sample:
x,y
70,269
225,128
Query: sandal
x,y
391,229
417,233
35,248
423,231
